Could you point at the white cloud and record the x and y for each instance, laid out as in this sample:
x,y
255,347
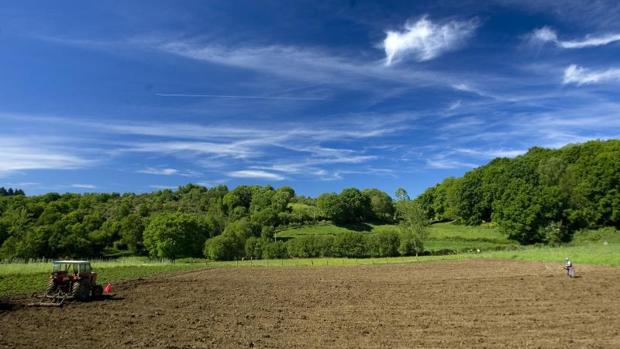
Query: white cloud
x,y
160,171
19,155
233,149
161,187
256,174
445,164
492,153
425,40
544,34
547,34
84,186
168,172
291,148
581,76
455,105
285,98
312,64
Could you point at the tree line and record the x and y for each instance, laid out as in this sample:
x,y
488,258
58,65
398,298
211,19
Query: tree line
x,y
10,191
543,196
234,223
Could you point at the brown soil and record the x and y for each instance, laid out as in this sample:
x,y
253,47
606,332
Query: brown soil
x,y
428,305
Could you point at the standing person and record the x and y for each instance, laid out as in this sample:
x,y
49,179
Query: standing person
x,y
568,266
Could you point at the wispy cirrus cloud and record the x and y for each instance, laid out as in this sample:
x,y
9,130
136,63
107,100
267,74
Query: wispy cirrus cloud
x,y
168,171
424,40
575,74
162,187
316,65
20,155
491,153
233,149
83,186
439,162
256,174
547,34
281,98
290,148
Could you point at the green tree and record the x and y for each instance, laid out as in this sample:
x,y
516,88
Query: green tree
x,y
174,235
332,207
231,244
224,247
413,227
402,195
356,205
381,205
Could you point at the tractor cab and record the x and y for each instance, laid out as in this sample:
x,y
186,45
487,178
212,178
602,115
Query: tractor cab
x,y
71,267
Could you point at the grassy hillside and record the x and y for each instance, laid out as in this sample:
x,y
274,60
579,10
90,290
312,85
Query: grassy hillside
x,y
442,236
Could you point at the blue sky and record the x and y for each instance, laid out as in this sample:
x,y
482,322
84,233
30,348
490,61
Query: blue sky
x,y
319,95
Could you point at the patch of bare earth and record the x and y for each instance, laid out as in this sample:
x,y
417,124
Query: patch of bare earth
x,y
461,304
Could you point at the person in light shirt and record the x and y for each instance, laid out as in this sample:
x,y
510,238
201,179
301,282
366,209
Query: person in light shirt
x,y
568,266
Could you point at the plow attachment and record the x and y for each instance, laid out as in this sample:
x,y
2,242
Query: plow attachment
x,y
55,300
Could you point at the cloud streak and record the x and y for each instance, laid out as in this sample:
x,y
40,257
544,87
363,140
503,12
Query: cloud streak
x,y
575,74
285,98
256,174
291,148
168,171
18,155
424,40
547,34
83,186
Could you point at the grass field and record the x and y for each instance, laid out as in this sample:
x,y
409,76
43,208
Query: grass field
x,y
25,278
442,236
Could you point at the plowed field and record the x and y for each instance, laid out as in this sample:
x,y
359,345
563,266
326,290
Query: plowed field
x,y
461,304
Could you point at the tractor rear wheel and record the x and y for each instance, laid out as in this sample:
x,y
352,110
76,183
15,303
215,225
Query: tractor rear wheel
x,y
80,291
51,288
97,291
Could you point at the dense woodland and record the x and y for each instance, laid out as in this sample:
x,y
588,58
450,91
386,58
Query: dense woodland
x,y
542,196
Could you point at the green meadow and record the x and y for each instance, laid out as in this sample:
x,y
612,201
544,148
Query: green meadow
x,y
446,237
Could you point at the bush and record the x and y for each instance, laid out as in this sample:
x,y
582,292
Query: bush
x,y
555,233
351,245
383,244
310,246
274,250
254,247
224,247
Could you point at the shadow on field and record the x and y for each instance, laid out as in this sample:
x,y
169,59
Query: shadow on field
x,y
356,226
6,306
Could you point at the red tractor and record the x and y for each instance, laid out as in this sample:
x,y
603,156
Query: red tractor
x,y
73,279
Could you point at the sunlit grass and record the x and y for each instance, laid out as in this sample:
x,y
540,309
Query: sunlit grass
x,y
24,278
442,236
594,253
